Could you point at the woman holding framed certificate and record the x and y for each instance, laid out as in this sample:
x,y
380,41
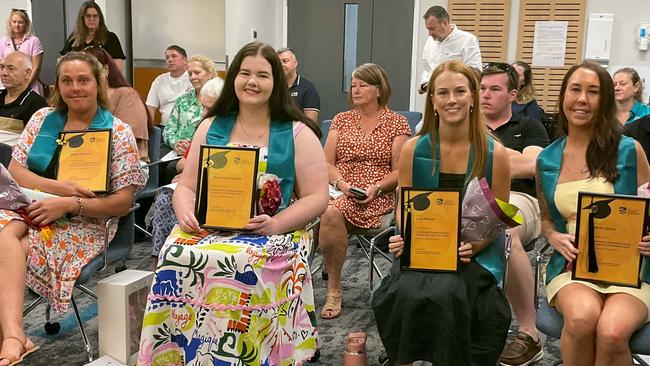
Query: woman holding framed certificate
x,y
249,291
599,318
459,317
46,246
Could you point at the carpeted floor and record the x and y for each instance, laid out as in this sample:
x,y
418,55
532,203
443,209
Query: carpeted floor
x,y
66,348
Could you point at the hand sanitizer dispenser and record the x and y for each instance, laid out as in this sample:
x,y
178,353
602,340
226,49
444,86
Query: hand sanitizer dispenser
x,y
643,36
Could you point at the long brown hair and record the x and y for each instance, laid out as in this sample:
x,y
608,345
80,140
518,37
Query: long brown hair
x,y
81,31
602,150
96,69
527,91
478,133
280,104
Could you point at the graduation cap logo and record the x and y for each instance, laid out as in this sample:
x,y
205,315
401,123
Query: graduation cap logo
x,y
597,210
420,202
73,142
217,160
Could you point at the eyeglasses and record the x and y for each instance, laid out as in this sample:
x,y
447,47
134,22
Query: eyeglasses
x,y
20,10
499,65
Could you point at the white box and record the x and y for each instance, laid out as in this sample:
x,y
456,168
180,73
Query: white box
x,y
105,361
122,300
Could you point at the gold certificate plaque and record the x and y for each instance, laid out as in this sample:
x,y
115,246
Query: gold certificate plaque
x,y
85,158
226,186
430,223
609,227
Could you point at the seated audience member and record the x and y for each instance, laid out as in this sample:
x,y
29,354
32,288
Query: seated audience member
x,y
164,219
526,103
170,85
77,216
18,101
628,90
362,151
523,138
264,274
186,114
302,91
593,157
20,38
460,318
125,102
90,30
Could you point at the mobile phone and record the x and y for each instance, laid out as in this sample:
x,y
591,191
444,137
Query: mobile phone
x,y
359,193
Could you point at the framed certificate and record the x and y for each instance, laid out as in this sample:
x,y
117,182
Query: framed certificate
x,y
85,158
226,190
430,222
608,229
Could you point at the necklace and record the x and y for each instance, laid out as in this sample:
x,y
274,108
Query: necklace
x,y
253,136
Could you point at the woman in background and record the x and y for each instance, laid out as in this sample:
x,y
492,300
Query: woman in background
x,y
526,103
20,37
628,91
90,30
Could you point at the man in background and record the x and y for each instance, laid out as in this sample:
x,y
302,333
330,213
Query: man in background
x,y
445,43
301,90
18,101
170,85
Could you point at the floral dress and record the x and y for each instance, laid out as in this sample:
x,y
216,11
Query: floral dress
x,y
54,264
226,298
183,119
365,160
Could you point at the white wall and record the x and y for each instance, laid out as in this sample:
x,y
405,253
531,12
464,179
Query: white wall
x,y
244,16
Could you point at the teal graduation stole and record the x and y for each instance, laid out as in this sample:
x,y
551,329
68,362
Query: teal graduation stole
x,y
281,150
428,175
549,162
45,146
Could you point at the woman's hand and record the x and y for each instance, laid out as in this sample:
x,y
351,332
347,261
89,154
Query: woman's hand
x,y
371,192
644,246
263,225
465,252
188,222
563,243
181,146
396,245
49,210
70,189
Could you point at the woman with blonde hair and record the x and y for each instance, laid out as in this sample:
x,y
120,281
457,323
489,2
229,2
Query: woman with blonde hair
x,y
628,92
526,103
90,30
457,318
21,38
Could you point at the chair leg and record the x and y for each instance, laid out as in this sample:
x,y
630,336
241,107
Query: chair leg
x,y
88,291
33,305
142,230
89,349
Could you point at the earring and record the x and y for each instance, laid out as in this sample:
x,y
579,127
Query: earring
x,y
435,113
471,109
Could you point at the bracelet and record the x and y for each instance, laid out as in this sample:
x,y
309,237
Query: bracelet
x,y
336,182
81,205
379,191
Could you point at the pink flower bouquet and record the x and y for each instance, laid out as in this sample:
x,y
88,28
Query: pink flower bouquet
x,y
270,194
483,215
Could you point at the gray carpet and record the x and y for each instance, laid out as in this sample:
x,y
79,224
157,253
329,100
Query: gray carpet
x,y
66,348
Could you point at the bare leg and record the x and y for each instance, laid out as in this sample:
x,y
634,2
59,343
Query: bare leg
x,y
12,288
622,315
333,243
581,307
521,285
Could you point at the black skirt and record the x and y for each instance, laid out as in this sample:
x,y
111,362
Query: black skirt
x,y
451,319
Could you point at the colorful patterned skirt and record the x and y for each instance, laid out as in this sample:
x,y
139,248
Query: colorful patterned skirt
x,y
228,298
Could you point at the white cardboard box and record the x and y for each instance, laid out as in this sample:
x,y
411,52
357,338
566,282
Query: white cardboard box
x,y
122,300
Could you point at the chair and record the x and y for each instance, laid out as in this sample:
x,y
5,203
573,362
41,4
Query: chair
x,y
150,188
116,251
413,119
325,129
5,154
550,321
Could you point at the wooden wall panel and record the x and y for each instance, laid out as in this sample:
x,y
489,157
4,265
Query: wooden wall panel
x,y
487,19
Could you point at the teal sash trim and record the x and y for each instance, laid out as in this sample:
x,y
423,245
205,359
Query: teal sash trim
x,y
44,146
428,176
549,162
281,150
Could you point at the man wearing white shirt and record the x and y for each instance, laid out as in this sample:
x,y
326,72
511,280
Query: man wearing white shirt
x,y
170,85
445,43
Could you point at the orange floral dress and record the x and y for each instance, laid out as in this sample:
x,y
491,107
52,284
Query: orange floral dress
x,y
365,160
53,265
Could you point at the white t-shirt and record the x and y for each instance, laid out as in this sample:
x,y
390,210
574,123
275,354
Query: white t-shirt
x,y
459,45
164,91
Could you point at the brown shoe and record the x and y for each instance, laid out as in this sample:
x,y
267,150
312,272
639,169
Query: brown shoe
x,y
522,351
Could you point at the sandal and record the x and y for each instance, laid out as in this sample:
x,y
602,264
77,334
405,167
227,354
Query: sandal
x,y
27,349
332,307
355,352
